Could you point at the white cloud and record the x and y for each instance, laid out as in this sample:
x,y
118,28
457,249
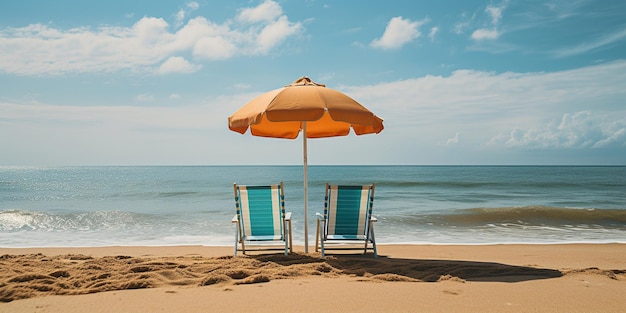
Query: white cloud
x,y
193,5
399,32
460,27
39,49
508,109
565,9
601,41
274,33
485,34
178,65
182,14
614,138
148,30
481,116
495,13
580,130
433,33
491,32
180,17
454,140
267,11
214,48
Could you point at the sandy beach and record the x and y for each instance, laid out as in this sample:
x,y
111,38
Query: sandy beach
x,y
404,278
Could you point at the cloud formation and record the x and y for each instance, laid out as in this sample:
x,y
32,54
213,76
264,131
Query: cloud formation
x,y
182,14
566,109
399,32
265,12
150,45
491,32
579,130
602,41
433,33
468,110
178,65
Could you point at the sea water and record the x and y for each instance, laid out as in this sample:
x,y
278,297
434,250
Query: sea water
x,y
193,205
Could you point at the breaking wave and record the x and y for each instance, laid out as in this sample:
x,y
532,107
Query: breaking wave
x,y
527,216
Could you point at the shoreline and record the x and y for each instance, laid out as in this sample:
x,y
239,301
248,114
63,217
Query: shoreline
x,y
435,278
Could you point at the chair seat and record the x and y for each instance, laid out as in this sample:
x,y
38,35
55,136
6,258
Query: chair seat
x,y
346,237
262,238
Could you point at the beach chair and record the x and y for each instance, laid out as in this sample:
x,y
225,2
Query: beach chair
x,y
347,218
261,216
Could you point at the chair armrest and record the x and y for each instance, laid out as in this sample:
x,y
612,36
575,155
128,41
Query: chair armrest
x,y
235,219
373,219
287,216
320,216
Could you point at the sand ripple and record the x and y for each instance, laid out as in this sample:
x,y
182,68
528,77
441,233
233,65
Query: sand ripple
x,y
35,275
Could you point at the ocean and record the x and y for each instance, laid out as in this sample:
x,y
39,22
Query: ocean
x,y
193,205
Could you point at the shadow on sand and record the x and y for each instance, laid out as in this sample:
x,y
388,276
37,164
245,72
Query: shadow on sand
x,y
398,269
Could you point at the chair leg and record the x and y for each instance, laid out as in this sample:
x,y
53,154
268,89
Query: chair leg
x,y
290,239
373,239
236,239
317,236
321,237
285,237
242,240
286,247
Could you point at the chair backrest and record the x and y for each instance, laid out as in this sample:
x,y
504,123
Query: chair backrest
x,y
347,210
261,211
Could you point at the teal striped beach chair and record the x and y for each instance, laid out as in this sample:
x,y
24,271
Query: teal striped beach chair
x,y
347,217
261,216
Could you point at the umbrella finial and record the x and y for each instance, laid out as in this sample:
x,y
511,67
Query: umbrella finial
x,y
305,81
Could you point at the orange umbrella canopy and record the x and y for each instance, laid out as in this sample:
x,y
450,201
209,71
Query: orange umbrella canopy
x,y
280,113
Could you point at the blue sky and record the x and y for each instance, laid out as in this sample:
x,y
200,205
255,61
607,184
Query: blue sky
x,y
456,82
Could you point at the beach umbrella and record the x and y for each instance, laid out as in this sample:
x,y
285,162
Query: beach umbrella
x,y
308,107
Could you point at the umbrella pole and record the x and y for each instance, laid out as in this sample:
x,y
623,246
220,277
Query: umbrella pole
x,y
306,190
